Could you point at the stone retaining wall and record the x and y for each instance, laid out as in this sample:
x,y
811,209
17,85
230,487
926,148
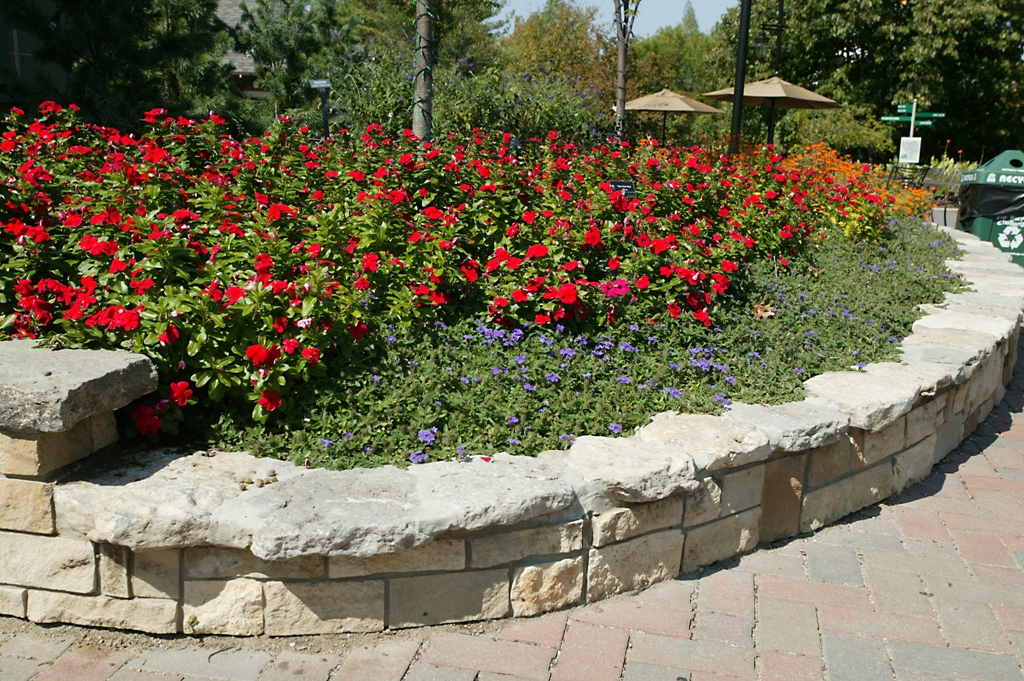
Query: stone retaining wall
x,y
169,543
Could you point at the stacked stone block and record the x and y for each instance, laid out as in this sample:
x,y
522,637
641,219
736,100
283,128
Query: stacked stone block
x,y
173,544
56,407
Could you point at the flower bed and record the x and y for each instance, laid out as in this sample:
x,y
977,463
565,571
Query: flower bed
x,y
269,275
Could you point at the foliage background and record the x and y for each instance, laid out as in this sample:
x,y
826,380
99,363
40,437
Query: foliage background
x,y
553,69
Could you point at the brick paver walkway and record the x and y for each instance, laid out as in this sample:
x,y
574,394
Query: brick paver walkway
x,y
927,586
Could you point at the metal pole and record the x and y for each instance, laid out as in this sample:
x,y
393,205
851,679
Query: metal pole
x,y
913,117
324,111
741,75
778,63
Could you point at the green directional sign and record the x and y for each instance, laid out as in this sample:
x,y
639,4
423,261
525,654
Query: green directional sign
x,y
929,114
896,119
904,108
923,124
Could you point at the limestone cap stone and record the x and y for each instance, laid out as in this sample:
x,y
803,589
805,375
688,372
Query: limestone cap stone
x,y
49,391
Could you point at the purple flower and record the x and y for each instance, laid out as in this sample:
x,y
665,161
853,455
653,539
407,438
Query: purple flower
x,y
511,420
528,387
615,428
513,441
567,436
391,339
428,435
326,443
625,380
552,377
721,398
567,352
674,393
798,372
419,456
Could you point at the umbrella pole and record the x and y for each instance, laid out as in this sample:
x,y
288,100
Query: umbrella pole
x,y
771,125
741,75
664,120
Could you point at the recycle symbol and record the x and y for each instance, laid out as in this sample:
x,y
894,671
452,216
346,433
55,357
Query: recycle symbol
x,y
1011,237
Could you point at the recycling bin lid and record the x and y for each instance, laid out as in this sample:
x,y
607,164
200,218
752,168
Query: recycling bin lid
x,y
1006,169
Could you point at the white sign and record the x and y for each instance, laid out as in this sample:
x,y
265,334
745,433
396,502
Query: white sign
x,y
319,84
1010,236
910,149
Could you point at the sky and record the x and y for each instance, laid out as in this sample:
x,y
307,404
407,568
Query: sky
x,y
653,14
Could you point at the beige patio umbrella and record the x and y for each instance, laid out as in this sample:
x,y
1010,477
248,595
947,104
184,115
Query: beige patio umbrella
x,y
776,93
668,102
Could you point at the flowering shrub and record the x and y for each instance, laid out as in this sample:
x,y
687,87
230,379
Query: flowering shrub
x,y
857,203
246,268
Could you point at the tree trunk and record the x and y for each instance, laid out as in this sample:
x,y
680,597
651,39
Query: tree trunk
x,y
423,98
625,13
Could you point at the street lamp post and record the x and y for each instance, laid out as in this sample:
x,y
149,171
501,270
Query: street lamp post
x,y
741,75
323,85
761,49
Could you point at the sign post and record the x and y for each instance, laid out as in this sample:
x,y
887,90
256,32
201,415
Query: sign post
x,y
323,86
910,147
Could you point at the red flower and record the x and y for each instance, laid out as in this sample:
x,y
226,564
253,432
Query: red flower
x,y
537,251
542,319
270,400
169,335
312,355
362,283
567,294
358,330
118,265
729,266
592,237
233,295
371,261
674,309
290,345
357,175
529,217
146,420
261,356
643,282
180,393
279,209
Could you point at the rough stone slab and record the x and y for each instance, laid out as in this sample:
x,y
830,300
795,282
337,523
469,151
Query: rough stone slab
x,y
780,499
14,669
884,442
162,499
36,454
229,608
714,442
609,471
1000,329
870,400
151,615
742,490
977,344
543,588
26,506
12,601
793,426
49,391
1008,312
834,460
219,563
301,608
948,436
455,597
47,562
438,556
510,547
290,666
622,523
704,503
930,378
958,364
832,502
634,564
924,419
914,464
724,538
157,574
114,578
368,512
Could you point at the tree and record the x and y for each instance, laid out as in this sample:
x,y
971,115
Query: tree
x,y
625,15
961,57
122,57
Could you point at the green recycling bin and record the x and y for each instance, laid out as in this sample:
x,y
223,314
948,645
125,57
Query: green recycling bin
x,y
992,203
